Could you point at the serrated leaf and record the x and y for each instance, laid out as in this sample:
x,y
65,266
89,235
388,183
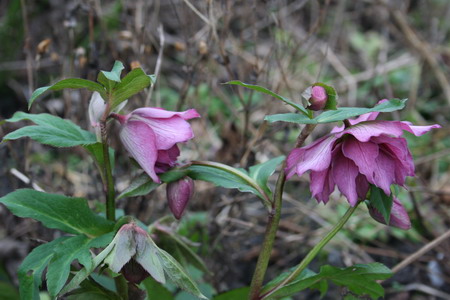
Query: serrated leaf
x,y
227,177
269,92
70,83
177,275
30,271
360,279
71,215
240,293
50,130
262,172
381,202
131,84
339,114
74,248
142,185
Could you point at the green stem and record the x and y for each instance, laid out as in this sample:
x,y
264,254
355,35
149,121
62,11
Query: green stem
x,y
313,252
272,223
109,181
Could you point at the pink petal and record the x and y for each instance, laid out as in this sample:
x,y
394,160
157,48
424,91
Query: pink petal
x,y
322,185
398,217
366,130
316,157
362,154
384,172
417,130
159,113
344,174
169,131
140,141
362,186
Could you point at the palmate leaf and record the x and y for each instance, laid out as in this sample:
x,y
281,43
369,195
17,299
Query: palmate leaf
x,y
339,114
360,279
50,130
71,215
58,256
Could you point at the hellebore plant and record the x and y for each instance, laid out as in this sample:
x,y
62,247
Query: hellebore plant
x,y
365,158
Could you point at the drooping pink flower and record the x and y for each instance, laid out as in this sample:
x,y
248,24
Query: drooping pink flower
x,y
398,217
151,135
367,152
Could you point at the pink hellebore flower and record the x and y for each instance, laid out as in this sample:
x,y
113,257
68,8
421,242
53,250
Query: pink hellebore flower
x,y
151,135
367,152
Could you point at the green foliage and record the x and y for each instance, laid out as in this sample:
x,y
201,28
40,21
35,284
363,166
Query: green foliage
x,y
132,83
8,291
360,279
269,92
340,114
70,83
156,290
261,172
381,202
71,215
141,185
240,293
50,130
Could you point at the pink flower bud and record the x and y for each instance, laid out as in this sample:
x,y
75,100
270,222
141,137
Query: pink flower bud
x,y
318,98
399,217
178,194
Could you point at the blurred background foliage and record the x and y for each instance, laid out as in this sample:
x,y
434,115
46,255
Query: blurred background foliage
x,y
368,50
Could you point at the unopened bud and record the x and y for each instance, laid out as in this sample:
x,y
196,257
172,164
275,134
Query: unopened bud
x,y
399,217
178,195
318,98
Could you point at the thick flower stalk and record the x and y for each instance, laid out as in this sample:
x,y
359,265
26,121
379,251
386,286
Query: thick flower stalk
x,y
151,135
362,152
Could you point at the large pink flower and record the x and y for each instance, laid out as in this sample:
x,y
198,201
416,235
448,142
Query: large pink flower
x,y
367,152
151,135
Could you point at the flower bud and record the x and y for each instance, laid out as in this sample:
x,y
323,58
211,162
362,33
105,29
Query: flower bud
x,y
178,195
399,217
134,272
318,98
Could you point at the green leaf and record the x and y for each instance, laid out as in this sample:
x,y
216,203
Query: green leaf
x,y
359,279
50,130
68,214
332,96
156,290
269,92
110,79
140,186
177,275
381,202
30,271
182,249
262,172
240,293
96,150
227,177
131,84
70,83
340,114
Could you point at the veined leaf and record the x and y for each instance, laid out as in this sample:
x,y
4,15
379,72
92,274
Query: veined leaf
x,y
269,92
70,83
50,130
381,202
360,279
262,172
339,114
68,214
131,84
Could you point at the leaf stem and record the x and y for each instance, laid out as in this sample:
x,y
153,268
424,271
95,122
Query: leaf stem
x,y
312,253
272,223
109,181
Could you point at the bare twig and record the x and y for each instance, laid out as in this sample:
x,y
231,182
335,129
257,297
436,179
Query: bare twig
x,y
158,66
